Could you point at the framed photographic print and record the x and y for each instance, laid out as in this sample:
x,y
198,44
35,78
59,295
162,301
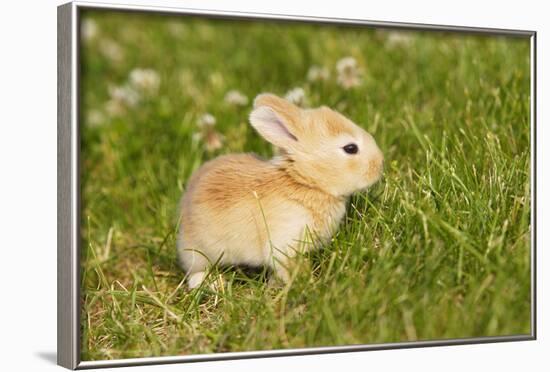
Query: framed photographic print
x,y
235,185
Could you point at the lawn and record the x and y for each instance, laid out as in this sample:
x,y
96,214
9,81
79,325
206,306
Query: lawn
x,y
439,249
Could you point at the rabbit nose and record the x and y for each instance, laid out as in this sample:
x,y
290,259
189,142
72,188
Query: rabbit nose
x,y
379,158
375,167
381,164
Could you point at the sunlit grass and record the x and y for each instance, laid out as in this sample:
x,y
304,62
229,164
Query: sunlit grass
x,y
438,249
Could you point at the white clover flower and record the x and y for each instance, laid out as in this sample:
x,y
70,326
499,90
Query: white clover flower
x,y
317,73
111,50
234,97
213,140
349,74
95,118
296,96
88,29
206,121
145,80
124,94
346,64
398,38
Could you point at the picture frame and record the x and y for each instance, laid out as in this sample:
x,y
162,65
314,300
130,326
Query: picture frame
x,y
69,186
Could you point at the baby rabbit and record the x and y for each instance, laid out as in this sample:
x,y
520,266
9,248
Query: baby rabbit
x,y
242,210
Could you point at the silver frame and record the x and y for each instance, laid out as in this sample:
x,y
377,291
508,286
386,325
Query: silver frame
x,y
68,188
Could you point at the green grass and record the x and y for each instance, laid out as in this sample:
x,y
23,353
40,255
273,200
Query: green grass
x,y
439,249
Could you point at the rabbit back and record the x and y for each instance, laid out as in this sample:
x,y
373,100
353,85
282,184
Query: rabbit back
x,y
234,211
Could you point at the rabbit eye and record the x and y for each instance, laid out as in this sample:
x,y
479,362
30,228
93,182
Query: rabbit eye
x,y
351,148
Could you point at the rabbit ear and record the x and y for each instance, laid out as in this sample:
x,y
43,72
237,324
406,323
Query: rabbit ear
x,y
276,120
